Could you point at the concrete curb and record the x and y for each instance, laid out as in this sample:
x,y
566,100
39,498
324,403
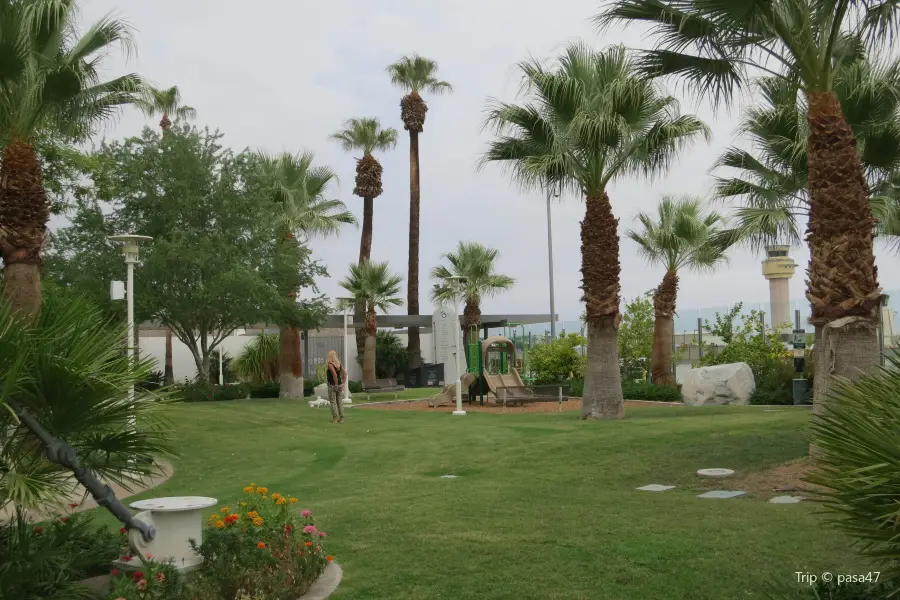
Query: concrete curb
x,y
383,402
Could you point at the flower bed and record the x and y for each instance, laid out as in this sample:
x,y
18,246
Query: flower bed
x,y
257,548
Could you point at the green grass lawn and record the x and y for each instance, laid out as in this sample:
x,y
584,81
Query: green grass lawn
x,y
545,505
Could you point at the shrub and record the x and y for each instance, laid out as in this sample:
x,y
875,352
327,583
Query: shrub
x,y
649,391
152,382
309,387
268,389
576,388
45,560
763,351
857,442
203,392
558,360
150,581
391,356
775,387
635,338
262,547
258,361
355,387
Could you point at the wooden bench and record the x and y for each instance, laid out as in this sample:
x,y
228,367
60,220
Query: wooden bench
x,y
384,385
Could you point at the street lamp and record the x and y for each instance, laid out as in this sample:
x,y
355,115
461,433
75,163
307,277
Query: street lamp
x,y
344,302
130,247
550,195
455,282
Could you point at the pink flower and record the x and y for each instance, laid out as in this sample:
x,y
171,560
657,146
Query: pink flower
x,y
309,529
160,576
306,514
321,534
120,598
142,584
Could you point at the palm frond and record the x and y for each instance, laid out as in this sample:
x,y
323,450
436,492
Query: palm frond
x,y
416,73
365,134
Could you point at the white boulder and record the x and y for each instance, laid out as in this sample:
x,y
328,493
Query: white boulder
x,y
721,384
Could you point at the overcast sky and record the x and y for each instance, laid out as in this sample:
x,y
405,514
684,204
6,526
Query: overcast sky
x,y
282,75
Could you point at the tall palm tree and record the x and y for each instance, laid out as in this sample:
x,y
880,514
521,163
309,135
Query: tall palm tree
x,y
717,47
588,121
166,102
299,189
367,136
476,264
415,74
772,183
680,236
51,81
373,284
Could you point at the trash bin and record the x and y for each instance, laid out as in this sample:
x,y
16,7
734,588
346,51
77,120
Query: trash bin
x,y
799,389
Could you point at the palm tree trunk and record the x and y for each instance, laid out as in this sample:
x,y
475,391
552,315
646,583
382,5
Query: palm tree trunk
x,y
169,374
365,253
600,281
371,330
24,212
664,330
843,280
471,318
290,363
412,303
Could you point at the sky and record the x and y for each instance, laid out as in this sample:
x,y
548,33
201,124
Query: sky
x,y
282,75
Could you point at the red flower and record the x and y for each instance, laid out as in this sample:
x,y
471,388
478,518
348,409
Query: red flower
x,y
114,572
64,519
329,558
127,557
38,530
73,506
308,544
138,574
123,530
261,545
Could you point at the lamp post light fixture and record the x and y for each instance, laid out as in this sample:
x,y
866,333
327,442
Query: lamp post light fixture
x,y
455,282
130,251
344,303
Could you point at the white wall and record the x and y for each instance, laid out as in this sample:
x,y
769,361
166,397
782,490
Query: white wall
x,y
183,365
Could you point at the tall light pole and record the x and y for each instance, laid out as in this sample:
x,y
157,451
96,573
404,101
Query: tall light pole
x,y
550,195
130,251
455,282
344,303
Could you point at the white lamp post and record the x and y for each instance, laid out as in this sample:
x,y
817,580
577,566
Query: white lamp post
x,y
130,249
550,195
344,303
455,282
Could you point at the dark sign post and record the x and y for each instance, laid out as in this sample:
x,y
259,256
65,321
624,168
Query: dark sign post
x,y
799,383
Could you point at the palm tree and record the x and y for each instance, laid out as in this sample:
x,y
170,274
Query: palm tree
x,y
299,189
414,74
475,263
52,81
165,102
718,47
590,120
367,136
680,236
373,284
773,180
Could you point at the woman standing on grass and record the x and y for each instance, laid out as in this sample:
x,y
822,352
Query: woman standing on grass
x,y
337,375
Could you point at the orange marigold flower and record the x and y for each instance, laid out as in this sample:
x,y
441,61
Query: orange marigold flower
x,y
329,558
225,510
261,545
262,490
293,500
276,495
220,524
308,544
249,489
265,497
258,522
280,500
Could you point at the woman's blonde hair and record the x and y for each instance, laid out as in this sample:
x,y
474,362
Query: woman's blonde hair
x,y
333,358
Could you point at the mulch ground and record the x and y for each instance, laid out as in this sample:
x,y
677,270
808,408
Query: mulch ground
x,y
785,479
491,407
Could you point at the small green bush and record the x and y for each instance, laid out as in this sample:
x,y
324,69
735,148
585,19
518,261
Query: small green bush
x,y
268,389
202,392
775,386
558,360
355,387
576,388
309,387
648,391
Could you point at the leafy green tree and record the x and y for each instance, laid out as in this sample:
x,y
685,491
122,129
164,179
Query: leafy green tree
x,y
725,326
636,338
717,47
474,262
375,285
390,355
591,119
680,236
753,342
414,74
51,84
258,361
559,360
166,102
298,192
213,262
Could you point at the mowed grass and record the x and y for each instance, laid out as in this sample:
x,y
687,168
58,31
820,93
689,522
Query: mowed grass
x,y
409,394
544,506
